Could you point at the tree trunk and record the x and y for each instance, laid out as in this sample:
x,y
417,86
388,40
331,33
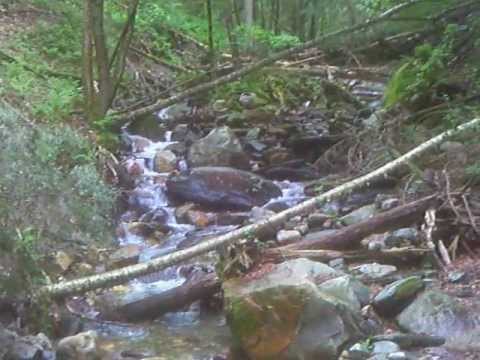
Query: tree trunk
x,y
162,103
105,85
201,286
89,95
276,221
350,236
211,55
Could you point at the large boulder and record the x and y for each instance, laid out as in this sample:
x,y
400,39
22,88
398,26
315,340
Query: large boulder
x,y
222,188
219,148
285,313
438,314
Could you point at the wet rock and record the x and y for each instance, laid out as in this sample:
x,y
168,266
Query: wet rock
x,y
456,277
7,339
389,204
183,134
219,148
283,314
411,341
164,161
187,214
80,346
311,147
396,296
178,148
338,264
288,236
276,206
232,218
291,171
248,100
347,289
374,242
222,188
277,155
374,271
385,347
359,215
316,220
147,126
138,143
437,314
63,260
402,237
155,218
398,355
126,255
26,348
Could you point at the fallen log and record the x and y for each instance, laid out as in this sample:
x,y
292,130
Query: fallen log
x,y
396,256
248,69
198,287
119,276
350,236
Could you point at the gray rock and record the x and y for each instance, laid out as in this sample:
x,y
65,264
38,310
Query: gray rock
x,y
248,100
399,355
389,204
409,341
361,214
316,220
165,161
396,296
220,147
288,236
80,346
385,347
437,314
403,236
456,276
374,271
30,348
284,314
126,255
222,188
347,289
338,264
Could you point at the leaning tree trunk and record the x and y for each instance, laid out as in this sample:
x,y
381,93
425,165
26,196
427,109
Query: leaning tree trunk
x,y
276,221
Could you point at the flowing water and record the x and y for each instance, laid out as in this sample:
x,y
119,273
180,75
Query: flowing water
x,y
193,333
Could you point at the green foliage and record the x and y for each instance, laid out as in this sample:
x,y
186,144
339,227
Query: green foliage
x,y
107,135
263,40
21,249
419,74
50,183
274,89
49,98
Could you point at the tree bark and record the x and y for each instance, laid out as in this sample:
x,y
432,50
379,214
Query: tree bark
x,y
350,236
198,287
87,63
394,256
101,57
162,103
276,221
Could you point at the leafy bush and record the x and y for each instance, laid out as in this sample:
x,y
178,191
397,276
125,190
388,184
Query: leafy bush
x,y
50,183
49,98
419,74
263,40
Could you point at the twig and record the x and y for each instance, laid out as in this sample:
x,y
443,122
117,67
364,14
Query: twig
x,y
470,215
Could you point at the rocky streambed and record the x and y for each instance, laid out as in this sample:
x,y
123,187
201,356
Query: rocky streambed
x,y
189,177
